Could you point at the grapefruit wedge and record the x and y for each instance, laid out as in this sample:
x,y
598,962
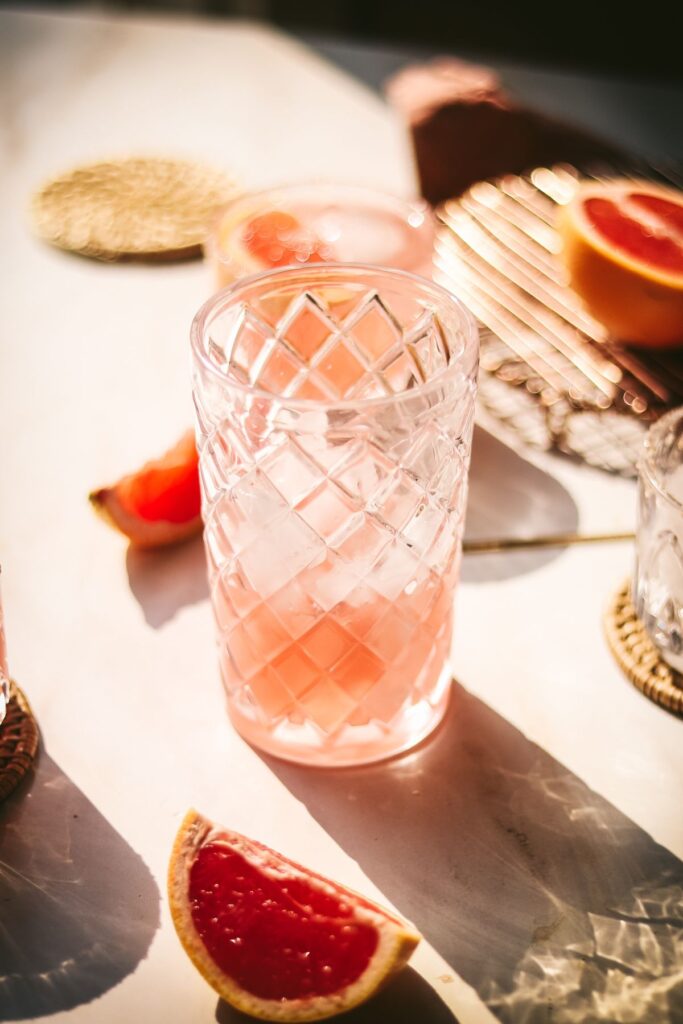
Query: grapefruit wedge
x,y
623,247
160,503
275,940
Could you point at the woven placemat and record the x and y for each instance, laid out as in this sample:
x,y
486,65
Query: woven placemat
x,y
638,656
18,742
136,208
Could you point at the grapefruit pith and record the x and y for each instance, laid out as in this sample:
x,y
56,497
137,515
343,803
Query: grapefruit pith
x,y
623,247
160,503
275,940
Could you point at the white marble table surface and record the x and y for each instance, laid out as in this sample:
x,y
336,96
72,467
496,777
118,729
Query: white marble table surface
x,y
535,842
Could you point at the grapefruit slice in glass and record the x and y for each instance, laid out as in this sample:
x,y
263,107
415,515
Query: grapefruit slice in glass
x,y
274,238
623,248
278,239
160,503
275,940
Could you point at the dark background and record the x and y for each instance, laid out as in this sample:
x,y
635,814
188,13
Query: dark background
x,y
630,37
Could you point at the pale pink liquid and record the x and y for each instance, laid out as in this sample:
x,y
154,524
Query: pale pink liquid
x,y
335,619
363,670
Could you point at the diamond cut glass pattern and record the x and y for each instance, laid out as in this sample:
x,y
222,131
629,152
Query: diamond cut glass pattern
x,y
334,419
658,584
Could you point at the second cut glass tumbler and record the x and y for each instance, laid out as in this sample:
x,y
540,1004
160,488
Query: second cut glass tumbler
x,y
334,410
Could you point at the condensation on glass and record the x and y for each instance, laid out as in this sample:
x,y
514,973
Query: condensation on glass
x,y
334,411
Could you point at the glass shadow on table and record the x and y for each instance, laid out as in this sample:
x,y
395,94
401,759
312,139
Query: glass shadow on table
x,y
407,999
511,497
551,903
79,907
165,580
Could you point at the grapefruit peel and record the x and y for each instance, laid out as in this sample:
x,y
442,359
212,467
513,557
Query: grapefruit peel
x,y
396,939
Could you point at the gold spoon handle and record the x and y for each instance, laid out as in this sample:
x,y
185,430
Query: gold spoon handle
x,y
552,540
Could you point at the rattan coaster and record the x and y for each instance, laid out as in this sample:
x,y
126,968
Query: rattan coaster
x,y
18,742
637,655
137,208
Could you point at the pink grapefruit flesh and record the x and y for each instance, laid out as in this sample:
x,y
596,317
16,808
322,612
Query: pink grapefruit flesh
x,y
278,239
275,940
623,248
158,504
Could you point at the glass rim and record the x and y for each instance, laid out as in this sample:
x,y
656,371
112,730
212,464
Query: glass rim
x,y
405,204
230,294
646,464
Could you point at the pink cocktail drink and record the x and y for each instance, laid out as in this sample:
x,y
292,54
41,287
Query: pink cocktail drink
x,y
320,223
335,409
354,669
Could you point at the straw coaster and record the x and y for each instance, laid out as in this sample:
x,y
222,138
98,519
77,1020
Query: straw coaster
x,y
18,741
637,655
137,208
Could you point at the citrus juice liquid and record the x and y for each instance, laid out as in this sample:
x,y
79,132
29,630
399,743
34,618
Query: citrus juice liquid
x,y
313,680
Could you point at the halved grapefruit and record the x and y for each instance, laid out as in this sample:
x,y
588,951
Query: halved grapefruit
x,y
275,940
160,503
623,247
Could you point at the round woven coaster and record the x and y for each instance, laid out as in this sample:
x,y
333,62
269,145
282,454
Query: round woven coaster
x,y
137,208
18,742
638,656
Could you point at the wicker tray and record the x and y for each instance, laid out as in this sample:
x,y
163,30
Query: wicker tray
x,y
548,372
